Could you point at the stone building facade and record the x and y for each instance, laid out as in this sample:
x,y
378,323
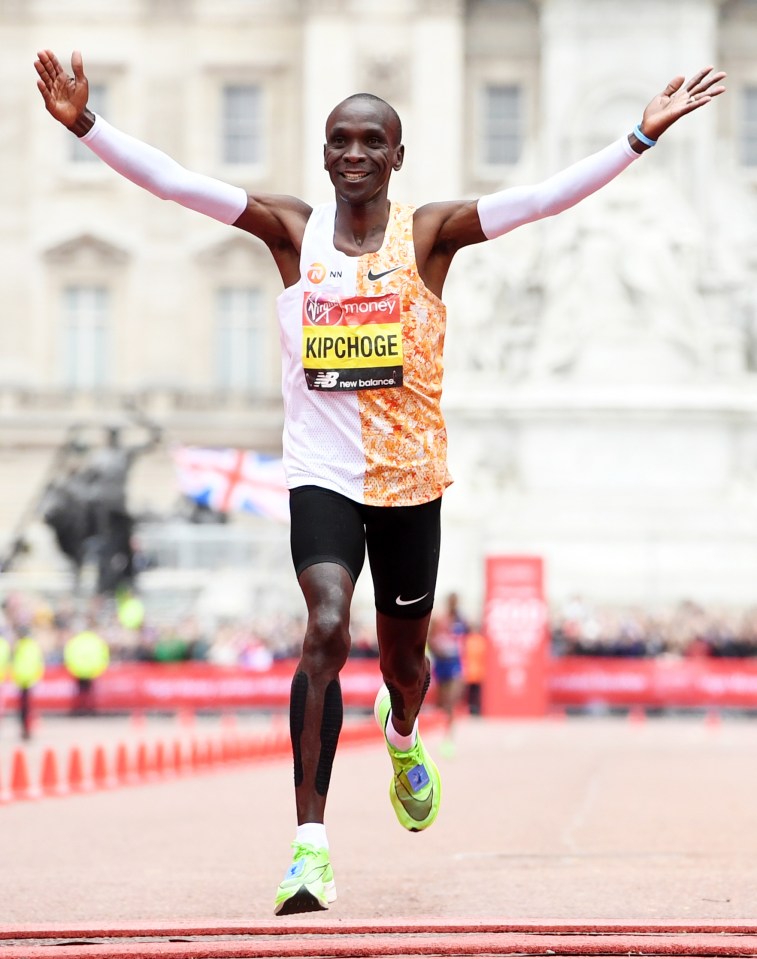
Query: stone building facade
x,y
602,367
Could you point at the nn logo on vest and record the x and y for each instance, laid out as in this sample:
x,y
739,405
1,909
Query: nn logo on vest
x,y
317,273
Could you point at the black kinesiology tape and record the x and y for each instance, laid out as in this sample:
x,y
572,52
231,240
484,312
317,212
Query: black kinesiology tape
x,y
396,698
398,703
331,725
426,683
297,700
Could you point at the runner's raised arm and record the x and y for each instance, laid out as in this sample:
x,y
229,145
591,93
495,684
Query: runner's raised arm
x,y
279,221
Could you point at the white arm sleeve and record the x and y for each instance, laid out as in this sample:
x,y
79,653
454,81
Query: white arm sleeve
x,y
501,212
165,178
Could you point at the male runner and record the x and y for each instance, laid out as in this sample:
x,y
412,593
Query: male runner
x,y
364,438
446,642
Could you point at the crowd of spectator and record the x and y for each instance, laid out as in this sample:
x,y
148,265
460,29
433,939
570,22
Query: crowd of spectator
x,y
577,628
688,629
254,643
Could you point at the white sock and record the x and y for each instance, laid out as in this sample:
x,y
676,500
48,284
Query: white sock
x,y
313,833
403,743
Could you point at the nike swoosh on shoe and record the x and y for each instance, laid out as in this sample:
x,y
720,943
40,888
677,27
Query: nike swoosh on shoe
x,y
417,809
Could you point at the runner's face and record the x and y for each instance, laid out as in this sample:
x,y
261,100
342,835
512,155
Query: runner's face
x,y
361,150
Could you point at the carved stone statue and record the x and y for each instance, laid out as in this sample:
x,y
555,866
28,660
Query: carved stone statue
x,y
86,506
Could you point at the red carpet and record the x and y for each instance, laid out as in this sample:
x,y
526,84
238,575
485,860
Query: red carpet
x,y
320,936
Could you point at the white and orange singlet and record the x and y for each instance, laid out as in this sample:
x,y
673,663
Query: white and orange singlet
x,y
361,345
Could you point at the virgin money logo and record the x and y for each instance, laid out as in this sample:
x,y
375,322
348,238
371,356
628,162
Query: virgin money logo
x,y
316,272
323,310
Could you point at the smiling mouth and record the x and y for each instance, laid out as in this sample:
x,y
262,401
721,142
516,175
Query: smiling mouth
x,y
353,175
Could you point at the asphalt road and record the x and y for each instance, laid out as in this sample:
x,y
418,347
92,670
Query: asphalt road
x,y
572,820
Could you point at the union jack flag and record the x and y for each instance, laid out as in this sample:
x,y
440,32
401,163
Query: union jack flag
x,y
233,480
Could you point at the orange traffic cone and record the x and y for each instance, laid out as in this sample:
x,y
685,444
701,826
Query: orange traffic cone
x,y
195,755
713,718
143,763
123,773
77,782
177,757
21,787
159,760
186,718
100,778
637,715
50,781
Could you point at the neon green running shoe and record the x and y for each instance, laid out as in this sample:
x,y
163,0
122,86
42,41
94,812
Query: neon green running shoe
x,y
416,787
308,884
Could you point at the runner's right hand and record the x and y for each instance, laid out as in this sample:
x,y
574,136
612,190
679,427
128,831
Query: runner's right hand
x,y
65,96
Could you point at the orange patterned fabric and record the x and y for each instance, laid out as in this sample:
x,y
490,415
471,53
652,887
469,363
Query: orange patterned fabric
x,y
403,431
378,445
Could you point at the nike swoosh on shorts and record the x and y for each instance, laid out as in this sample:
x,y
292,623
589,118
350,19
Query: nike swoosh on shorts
x,y
409,602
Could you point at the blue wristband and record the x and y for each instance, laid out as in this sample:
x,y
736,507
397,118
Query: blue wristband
x,y
642,137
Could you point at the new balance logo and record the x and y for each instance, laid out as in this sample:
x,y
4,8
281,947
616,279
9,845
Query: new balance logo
x,y
326,381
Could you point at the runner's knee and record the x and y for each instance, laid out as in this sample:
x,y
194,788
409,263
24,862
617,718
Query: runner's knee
x,y
327,639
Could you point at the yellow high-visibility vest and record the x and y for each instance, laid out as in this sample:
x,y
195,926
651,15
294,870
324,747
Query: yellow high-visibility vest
x,y
5,658
86,655
27,663
131,612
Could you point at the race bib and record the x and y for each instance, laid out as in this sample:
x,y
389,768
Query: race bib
x,y
351,342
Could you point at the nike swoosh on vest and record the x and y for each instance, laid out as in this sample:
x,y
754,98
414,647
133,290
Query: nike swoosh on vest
x,y
377,276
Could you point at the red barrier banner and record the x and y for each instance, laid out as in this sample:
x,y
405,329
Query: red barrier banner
x,y
686,683
515,625
169,686
579,681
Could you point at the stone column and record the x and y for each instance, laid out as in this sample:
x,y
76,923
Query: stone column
x,y
328,69
435,129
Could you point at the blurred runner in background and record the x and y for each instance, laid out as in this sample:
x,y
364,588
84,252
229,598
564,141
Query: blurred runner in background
x,y
446,639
